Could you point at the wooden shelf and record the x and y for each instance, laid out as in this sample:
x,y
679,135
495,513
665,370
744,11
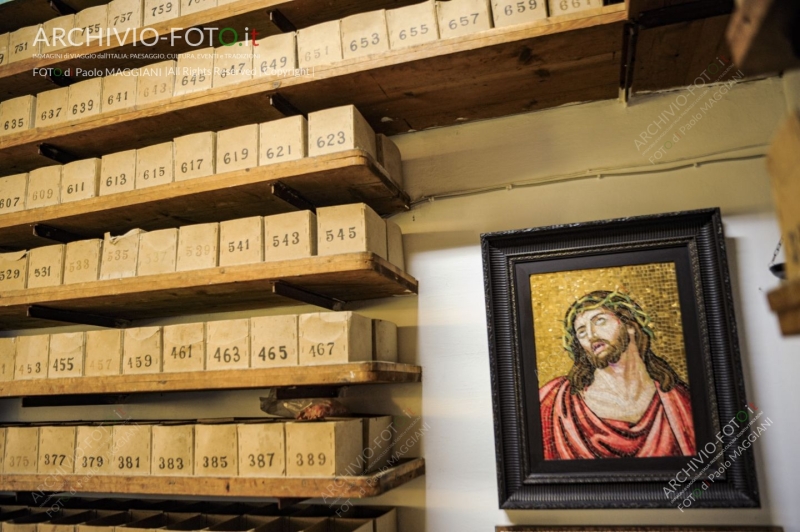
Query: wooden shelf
x,y
785,302
282,487
340,178
339,278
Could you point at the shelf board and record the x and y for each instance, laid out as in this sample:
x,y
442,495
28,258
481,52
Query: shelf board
x,y
347,177
355,487
344,278
785,302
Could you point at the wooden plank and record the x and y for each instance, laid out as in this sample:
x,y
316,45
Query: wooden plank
x,y
305,487
346,177
785,301
348,277
760,36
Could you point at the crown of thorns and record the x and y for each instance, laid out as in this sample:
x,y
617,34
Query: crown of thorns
x,y
614,301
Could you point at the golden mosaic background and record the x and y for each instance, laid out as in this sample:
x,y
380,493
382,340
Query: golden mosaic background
x,y
653,286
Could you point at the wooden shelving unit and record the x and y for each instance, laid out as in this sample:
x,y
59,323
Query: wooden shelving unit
x,y
785,302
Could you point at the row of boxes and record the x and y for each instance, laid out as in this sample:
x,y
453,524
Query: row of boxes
x,y
263,342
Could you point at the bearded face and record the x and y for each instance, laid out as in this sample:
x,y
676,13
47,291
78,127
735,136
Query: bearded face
x,y
602,336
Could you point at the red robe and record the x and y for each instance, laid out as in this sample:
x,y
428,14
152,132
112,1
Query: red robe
x,y
571,430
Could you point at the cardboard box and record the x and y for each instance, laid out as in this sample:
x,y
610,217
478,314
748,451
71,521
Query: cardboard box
x,y
56,450
193,6
324,448
233,64
195,71
68,521
320,44
157,252
21,450
511,12
154,165
156,11
30,522
93,22
103,353
275,55
124,15
365,34
251,523
283,140
3,513
4,51
117,519
142,350
782,163
120,255
340,524
52,107
84,98
44,187
389,157
384,341
334,338
173,450
13,190
339,129
22,43
66,355
262,449
350,229
378,442
273,341
80,180
119,92
45,266
184,347
215,450
118,172
131,450
194,155
241,241
394,244
462,17
564,7
237,148
82,261
228,344
93,450
13,270
156,82
8,351
16,114
292,235
412,25
198,247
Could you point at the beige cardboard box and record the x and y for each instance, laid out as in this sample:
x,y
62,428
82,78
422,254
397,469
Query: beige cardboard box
x,y
307,524
324,448
84,98
154,165
124,15
412,25
563,7
56,450
46,266
365,34
394,244
194,155
93,22
193,6
13,270
93,450
119,92
103,353
157,252
82,261
379,439
22,450
233,64
275,54
66,355
198,247
241,241
339,129
156,82
462,17
118,172
273,341
184,347
195,71
340,524
283,140
22,43
13,189
131,449
52,107
4,52
251,523
173,450
156,11
215,450
120,255
384,341
389,157
228,344
2,438
80,180
44,187
237,148
8,351
511,12
16,114
320,44
350,229
291,235
334,338
56,31
262,449
142,350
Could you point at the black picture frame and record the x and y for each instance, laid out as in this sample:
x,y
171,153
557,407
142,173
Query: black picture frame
x,y
695,242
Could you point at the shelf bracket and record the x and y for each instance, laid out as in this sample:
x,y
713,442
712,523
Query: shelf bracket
x,y
61,8
53,233
56,154
74,316
285,289
280,21
283,106
292,197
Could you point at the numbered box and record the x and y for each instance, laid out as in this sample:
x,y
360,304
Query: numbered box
x,y
8,351
80,180
120,255
94,450
462,17
379,439
119,92
282,140
84,98
389,157
131,449
228,344
215,451
141,350
124,15
262,449
82,261
44,187
21,450
156,82
511,12
233,64
324,448
156,11
237,148
365,34
22,43
16,114
384,341
52,107
394,245
292,235
184,348
350,229
93,23
46,266
173,450
31,359
195,71
4,51
154,165
66,355
274,341
412,25
198,247
194,155
118,172
241,241
157,252
13,190
56,450
564,7
320,44
13,270
339,129
334,338
103,353
275,55
193,6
